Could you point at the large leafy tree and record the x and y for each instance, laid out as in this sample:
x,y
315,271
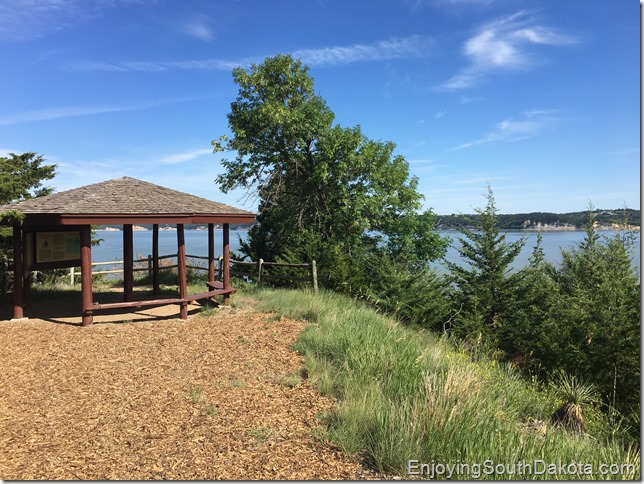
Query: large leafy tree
x,y
325,191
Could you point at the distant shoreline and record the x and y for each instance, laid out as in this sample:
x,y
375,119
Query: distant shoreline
x,y
164,229
599,228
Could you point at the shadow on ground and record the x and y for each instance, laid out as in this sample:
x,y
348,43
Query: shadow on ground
x,y
63,306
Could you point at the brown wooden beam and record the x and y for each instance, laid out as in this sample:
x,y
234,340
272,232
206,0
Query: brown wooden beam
x,y
163,302
181,262
211,252
138,304
155,259
226,261
26,285
128,263
18,274
118,219
86,275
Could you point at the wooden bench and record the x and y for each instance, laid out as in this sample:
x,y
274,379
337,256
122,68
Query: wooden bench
x,y
216,289
219,286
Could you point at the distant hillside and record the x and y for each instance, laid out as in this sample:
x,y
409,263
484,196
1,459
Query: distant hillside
x,y
606,219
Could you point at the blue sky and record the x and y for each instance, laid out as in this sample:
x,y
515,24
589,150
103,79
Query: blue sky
x,y
540,99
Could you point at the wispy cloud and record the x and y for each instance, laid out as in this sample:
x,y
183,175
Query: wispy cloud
x,y
155,66
28,19
480,180
47,114
185,156
505,44
625,152
532,122
395,48
199,27
449,4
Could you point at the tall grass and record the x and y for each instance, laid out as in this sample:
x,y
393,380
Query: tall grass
x,y
404,395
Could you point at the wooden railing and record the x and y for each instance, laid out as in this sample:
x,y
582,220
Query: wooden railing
x,y
257,273
254,271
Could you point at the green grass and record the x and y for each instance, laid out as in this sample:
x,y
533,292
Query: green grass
x,y
405,394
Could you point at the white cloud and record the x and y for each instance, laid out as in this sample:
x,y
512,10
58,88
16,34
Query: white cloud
x,y
625,152
480,180
449,4
394,48
22,20
200,27
47,114
201,32
156,66
185,156
504,44
533,122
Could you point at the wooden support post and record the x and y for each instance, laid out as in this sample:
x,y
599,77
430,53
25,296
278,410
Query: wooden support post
x,y
226,254
211,252
5,277
220,268
314,276
260,273
86,274
26,287
155,259
18,274
128,263
181,262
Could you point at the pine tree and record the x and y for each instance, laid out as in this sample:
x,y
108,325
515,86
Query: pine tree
x,y
484,288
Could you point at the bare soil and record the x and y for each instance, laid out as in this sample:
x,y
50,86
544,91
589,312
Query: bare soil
x,y
157,397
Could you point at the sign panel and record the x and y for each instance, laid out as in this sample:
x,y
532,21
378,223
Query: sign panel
x,y
57,246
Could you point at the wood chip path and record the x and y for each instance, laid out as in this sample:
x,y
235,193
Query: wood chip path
x,y
202,399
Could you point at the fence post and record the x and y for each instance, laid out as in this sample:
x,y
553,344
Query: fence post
x,y
260,273
5,277
71,275
149,267
220,270
314,276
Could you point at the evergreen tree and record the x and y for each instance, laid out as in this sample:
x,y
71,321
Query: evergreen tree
x,y
529,340
598,316
582,318
22,176
484,288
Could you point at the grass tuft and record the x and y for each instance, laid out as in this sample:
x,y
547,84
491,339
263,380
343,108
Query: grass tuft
x,y
405,394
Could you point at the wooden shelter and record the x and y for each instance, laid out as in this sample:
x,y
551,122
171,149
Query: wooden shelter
x,y
55,233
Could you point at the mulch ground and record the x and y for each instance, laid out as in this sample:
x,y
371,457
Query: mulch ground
x,y
203,399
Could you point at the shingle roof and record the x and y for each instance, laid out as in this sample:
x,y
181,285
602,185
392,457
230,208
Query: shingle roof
x,y
123,196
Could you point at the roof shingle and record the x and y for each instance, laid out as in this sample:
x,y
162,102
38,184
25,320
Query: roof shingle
x,y
123,196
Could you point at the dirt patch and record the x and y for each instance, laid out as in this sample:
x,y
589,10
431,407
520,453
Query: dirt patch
x,y
215,397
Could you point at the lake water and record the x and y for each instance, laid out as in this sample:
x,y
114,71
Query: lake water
x,y
551,244
197,244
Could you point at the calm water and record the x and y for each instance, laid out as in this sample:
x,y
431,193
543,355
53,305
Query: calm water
x,y
197,244
552,244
